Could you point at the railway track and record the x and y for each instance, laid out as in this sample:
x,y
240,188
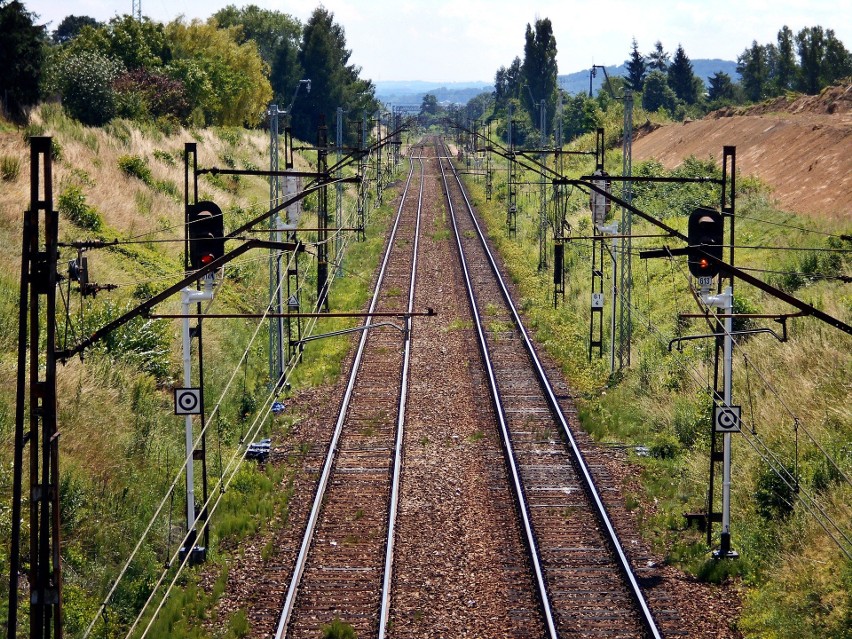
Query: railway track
x,y
344,565
584,581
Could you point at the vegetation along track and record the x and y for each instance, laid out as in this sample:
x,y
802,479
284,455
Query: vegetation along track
x,y
585,583
344,563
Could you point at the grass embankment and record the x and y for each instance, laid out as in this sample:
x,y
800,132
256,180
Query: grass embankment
x,y
796,396
121,445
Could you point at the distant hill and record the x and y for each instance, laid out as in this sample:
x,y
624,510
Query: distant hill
x,y
411,92
404,92
579,82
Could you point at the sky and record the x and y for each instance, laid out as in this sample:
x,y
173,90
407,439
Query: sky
x,y
468,40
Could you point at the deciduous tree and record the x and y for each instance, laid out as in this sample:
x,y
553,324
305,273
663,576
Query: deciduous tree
x,y
234,74
753,67
580,114
84,80
784,72
21,56
277,36
657,93
71,26
539,68
137,45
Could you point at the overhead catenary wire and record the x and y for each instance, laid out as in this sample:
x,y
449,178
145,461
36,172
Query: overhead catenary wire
x,y
776,466
791,226
812,505
178,477
273,393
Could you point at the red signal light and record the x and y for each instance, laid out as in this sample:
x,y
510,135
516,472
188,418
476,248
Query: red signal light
x,y
703,263
207,258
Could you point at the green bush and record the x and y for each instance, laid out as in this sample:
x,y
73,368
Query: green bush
x,y
165,157
72,204
84,80
665,446
55,150
717,571
135,166
144,343
10,168
774,496
33,131
338,629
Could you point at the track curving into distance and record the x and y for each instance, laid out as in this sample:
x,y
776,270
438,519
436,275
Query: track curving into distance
x,y
585,584
345,562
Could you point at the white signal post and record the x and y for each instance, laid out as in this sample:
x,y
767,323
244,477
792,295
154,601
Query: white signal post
x,y
191,296
725,301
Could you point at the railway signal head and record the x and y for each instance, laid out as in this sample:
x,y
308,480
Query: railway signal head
x,y
599,203
206,233
705,237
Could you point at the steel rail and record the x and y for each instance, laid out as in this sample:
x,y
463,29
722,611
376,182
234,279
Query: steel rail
x,y
517,486
384,614
589,484
331,455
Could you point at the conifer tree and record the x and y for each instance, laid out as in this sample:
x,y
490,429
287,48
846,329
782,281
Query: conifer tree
x,y
658,59
681,77
637,68
324,60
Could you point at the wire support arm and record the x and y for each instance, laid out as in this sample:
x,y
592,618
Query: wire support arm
x,y
145,306
397,314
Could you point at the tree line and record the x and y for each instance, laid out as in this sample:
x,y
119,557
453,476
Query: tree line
x,y
808,62
805,62
220,72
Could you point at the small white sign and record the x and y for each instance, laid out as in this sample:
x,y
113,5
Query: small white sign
x,y
727,419
597,300
187,401
705,282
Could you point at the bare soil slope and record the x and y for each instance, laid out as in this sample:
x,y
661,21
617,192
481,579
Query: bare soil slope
x,y
800,147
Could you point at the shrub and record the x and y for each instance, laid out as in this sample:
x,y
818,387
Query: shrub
x,y
85,80
144,343
135,166
10,168
167,187
144,94
717,571
72,204
165,157
773,495
665,446
338,629
33,131
55,150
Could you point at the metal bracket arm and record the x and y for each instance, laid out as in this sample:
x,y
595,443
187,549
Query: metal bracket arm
x,y
145,306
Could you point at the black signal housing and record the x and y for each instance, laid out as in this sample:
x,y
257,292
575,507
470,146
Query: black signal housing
x,y
206,231
706,234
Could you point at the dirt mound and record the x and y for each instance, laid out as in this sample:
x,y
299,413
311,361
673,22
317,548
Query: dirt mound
x,y
832,100
800,147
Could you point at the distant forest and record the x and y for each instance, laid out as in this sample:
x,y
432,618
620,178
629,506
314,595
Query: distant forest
x,y
660,82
